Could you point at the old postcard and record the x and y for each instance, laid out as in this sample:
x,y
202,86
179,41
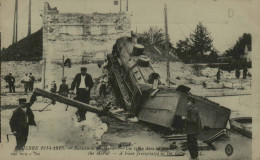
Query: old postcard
x,y
129,79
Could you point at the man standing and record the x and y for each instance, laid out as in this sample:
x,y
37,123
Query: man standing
x,y
31,83
10,80
83,83
192,127
218,74
237,72
102,88
26,81
244,72
21,119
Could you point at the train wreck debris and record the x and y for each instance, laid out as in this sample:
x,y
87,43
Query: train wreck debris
x,y
133,79
104,111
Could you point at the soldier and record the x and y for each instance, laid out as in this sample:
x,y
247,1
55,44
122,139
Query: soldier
x,y
192,127
83,83
21,119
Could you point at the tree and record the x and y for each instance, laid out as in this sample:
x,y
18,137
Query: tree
x,y
239,48
201,40
183,50
213,55
229,52
192,49
154,36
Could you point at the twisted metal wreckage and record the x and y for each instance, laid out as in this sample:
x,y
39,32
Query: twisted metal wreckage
x,y
142,94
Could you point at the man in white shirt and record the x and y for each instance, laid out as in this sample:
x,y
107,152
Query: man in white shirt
x,y
26,81
83,83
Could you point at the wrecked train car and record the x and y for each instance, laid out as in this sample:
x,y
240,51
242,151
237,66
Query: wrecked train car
x,y
142,94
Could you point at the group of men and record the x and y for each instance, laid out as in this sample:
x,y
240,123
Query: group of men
x,y
28,81
23,116
237,73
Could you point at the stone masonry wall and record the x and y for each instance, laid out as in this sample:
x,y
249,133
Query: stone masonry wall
x,y
87,37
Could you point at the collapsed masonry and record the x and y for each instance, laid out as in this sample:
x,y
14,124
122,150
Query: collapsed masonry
x,y
84,38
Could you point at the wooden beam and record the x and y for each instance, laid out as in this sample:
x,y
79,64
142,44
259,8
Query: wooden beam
x,y
65,100
74,103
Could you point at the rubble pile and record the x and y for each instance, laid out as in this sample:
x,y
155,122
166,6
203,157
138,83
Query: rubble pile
x,y
180,73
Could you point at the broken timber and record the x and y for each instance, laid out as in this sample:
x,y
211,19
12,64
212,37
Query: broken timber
x,y
62,99
73,103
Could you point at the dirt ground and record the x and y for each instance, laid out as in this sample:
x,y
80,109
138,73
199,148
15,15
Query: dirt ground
x,y
57,127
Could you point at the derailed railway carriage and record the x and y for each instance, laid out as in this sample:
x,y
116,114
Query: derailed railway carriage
x,y
142,94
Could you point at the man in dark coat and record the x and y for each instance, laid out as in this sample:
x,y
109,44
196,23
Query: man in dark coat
x,y
10,80
21,119
237,72
64,88
244,72
83,83
31,82
218,74
192,127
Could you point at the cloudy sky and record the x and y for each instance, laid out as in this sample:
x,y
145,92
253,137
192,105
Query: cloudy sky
x,y
226,20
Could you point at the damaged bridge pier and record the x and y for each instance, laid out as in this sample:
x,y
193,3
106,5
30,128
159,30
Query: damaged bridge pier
x,y
79,36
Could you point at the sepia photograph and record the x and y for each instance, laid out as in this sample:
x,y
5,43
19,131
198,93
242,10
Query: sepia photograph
x,y
129,79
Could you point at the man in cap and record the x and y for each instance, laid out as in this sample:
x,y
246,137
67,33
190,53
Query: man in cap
x,y
64,88
192,127
19,123
83,83
31,82
10,80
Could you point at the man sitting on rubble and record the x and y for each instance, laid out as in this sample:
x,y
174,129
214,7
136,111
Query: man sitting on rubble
x,y
83,83
192,127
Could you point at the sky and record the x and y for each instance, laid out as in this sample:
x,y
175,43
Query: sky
x,y
226,20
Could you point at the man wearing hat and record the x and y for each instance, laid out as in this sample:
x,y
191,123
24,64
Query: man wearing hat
x,y
10,80
83,83
19,123
64,88
192,127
